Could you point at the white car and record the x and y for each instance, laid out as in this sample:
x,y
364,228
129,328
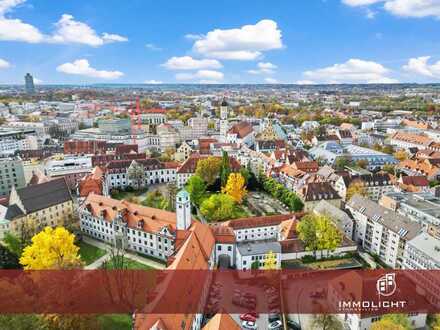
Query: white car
x,y
275,325
249,325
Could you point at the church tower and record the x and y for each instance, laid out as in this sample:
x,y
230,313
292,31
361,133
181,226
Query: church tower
x,y
224,124
183,210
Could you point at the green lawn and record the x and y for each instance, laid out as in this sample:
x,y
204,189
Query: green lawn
x,y
89,253
131,264
115,321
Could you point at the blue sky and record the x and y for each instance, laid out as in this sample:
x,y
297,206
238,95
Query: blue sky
x,y
227,41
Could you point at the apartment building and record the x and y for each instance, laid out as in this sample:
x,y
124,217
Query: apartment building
x,y
375,185
423,253
381,231
11,174
423,207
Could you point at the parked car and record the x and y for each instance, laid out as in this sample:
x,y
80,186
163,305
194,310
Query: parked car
x,y
248,317
292,325
274,317
275,325
249,325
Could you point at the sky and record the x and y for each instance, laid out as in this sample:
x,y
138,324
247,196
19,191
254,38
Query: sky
x,y
221,41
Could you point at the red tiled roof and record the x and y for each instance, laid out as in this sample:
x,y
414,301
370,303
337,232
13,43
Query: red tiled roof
x,y
264,221
418,181
242,129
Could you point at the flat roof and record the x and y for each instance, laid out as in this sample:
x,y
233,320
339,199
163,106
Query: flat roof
x,y
258,247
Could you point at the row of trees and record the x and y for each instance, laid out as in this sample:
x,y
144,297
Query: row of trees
x,y
278,191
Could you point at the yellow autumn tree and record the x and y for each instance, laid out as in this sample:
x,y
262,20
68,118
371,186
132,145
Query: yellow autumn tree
x,y
51,249
235,187
356,188
400,155
270,261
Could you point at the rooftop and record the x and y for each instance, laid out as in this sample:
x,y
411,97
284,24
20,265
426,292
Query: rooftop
x,y
428,245
258,248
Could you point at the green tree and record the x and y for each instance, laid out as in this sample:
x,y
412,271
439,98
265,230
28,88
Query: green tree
x,y
209,169
326,322
8,260
307,232
196,188
319,233
136,173
13,243
390,169
218,207
157,200
342,162
225,169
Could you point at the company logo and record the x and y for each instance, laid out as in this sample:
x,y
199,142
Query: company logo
x,y
386,285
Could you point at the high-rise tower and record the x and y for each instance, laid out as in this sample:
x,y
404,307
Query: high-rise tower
x,y
29,83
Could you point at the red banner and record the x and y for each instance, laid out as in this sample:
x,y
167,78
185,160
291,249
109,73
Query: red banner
x,y
180,291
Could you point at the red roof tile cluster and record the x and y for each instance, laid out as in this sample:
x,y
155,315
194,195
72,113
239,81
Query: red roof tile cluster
x,y
270,220
242,129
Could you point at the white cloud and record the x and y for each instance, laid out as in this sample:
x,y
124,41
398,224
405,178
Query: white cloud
x,y
8,5
245,43
191,36
109,38
67,30
305,82
403,8
420,66
264,68
414,8
356,3
189,63
271,81
70,31
38,81
153,47
370,14
4,64
201,74
153,82
15,29
82,67
352,71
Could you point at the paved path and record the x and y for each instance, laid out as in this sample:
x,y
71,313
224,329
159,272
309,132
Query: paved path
x,y
97,263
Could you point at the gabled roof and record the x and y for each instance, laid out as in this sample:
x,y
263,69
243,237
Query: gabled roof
x,y
41,196
242,129
315,191
221,322
137,216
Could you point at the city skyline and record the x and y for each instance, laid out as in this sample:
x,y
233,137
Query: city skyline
x,y
334,41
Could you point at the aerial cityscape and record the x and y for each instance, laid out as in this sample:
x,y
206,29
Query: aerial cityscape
x,y
253,165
